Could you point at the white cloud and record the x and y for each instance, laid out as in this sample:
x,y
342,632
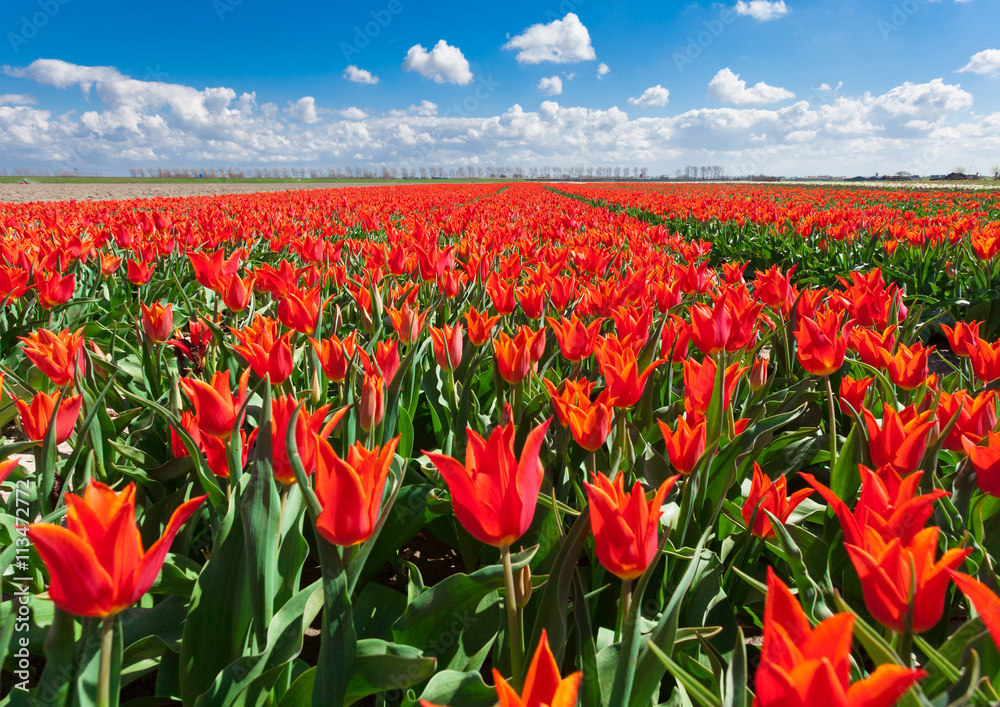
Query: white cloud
x,y
303,110
17,99
986,62
761,10
551,86
727,87
353,113
564,41
922,128
444,63
602,70
652,96
362,76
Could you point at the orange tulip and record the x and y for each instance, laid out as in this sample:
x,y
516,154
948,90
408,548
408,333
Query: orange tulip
x,y
96,564
54,290
371,408
885,568
710,327
300,310
985,359
407,322
480,326
157,322
515,357
35,418
822,344
895,442
59,356
853,392
699,384
265,352
766,495
7,466
675,340
590,423
214,404
626,526
575,393
350,490
140,272
620,369
976,416
576,339
494,493
908,368
447,342
109,264
306,428
333,356
803,666
963,338
236,293
986,462
758,374
686,445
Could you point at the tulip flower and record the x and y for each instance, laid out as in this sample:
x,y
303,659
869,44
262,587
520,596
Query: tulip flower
x,y
54,290
480,326
447,342
140,272
822,344
214,404
306,428
109,264
573,393
532,301
802,666
58,356
7,466
853,393
407,322
157,322
758,374
333,356
976,416
887,568
699,384
576,339
710,327
216,454
35,418
766,495
350,490
896,443
494,493
236,293
515,357
873,349
96,564
675,340
985,359
590,423
299,311
265,352
888,504
371,408
963,337
620,369
986,602
215,270
387,358
986,462
686,445
908,368
626,526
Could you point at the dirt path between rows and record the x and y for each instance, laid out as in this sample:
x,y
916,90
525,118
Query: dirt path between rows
x,y
99,191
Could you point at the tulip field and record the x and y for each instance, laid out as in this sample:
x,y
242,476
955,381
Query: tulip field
x,y
521,444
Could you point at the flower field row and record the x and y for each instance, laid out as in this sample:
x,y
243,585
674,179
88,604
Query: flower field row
x,y
469,444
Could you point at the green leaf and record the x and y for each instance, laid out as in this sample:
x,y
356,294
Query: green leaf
x,y
451,687
384,666
699,692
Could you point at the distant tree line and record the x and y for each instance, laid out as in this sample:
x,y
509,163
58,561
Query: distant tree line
x,y
25,172
394,172
712,171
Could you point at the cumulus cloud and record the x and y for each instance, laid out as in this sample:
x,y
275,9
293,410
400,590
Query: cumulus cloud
x,y
986,62
17,99
922,128
727,87
551,86
602,70
564,41
761,10
353,113
362,76
303,110
442,64
652,96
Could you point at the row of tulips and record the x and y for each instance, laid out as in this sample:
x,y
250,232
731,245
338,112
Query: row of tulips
x,y
634,462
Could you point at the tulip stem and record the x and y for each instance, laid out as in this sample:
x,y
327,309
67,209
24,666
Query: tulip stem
x,y
104,673
626,606
833,424
513,626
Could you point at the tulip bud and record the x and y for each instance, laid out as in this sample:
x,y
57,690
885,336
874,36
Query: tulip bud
x,y
338,319
366,320
949,269
372,407
758,374
523,587
316,392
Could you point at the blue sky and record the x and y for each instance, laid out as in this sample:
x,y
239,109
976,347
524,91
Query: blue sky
x,y
793,87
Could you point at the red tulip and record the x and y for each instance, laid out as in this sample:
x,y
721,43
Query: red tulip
x,y
620,369
371,408
96,564
157,322
480,326
407,322
576,339
214,405
626,526
986,462
963,338
350,490
494,493
822,344
766,495
333,356
53,289
35,418
710,327
908,368
686,445
897,443
306,429
986,602
59,356
139,273
447,342
853,392
265,352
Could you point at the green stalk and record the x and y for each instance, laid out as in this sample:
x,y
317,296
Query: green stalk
x,y
104,669
833,424
513,624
